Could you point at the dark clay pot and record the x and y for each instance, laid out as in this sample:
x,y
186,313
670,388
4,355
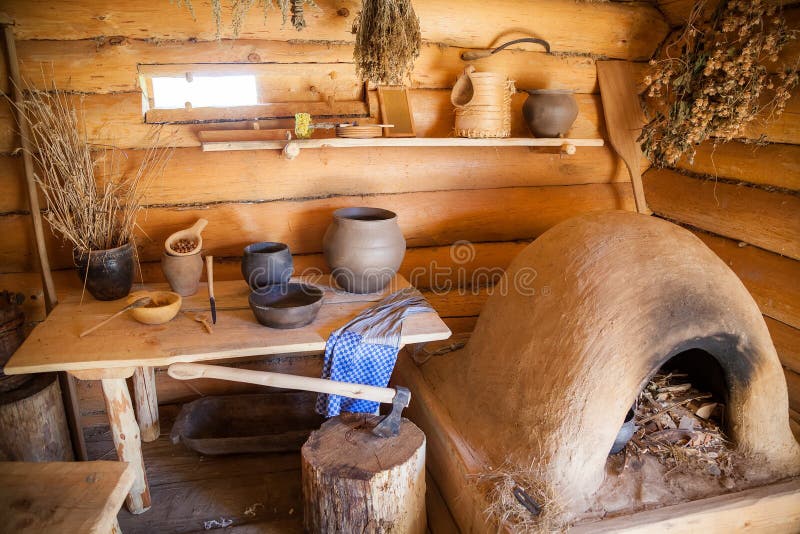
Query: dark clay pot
x,y
108,274
266,264
364,248
549,113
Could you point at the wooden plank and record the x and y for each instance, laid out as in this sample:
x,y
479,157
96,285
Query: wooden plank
x,y
787,343
62,496
768,509
192,177
108,65
55,345
793,384
630,31
766,219
401,142
258,112
770,278
774,164
426,218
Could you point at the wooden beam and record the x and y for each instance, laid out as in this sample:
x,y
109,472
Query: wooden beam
x,y
769,509
109,65
770,278
767,219
774,164
787,343
426,218
630,31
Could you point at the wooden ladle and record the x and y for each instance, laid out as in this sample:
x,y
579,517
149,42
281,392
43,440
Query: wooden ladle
x,y
193,233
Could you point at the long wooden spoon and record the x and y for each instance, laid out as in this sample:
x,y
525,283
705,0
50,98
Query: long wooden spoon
x,y
138,303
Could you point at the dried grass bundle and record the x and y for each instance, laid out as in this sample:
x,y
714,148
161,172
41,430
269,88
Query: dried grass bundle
x,y
506,509
90,200
714,78
240,8
387,40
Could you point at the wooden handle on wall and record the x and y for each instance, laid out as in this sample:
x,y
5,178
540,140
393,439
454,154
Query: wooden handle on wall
x,y
188,371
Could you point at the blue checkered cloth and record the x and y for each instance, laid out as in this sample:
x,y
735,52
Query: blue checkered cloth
x,y
364,350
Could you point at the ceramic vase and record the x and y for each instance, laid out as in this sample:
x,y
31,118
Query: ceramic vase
x,y
183,272
550,113
266,264
107,274
364,248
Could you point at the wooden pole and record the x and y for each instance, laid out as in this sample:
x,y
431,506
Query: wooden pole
x,y
144,394
354,481
68,385
125,432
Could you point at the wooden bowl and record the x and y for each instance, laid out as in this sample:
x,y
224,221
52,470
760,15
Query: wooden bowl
x,y
290,305
164,307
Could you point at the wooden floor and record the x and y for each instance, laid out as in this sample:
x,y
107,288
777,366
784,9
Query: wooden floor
x,y
194,493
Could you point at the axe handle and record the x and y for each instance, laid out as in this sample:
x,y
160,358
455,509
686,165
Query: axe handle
x,y
188,371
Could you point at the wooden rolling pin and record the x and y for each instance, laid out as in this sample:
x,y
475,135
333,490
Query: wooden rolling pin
x,y
188,371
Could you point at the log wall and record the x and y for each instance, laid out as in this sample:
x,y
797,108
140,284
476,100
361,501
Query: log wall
x,y
496,198
743,201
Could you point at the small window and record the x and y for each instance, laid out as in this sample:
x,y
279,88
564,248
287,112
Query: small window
x,y
216,92
204,91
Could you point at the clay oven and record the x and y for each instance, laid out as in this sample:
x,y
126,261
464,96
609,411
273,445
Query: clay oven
x,y
550,372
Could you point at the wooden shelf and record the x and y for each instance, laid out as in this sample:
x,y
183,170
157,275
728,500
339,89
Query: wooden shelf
x,y
567,145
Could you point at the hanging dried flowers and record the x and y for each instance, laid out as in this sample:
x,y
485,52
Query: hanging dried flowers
x,y
718,81
240,8
387,40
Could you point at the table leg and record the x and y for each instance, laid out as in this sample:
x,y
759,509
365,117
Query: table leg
x,y
144,394
125,432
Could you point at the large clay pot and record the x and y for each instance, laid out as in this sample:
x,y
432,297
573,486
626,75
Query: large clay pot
x,y
183,272
364,248
107,274
549,113
266,264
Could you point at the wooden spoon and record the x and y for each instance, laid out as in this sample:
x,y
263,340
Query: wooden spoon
x,y
193,233
138,303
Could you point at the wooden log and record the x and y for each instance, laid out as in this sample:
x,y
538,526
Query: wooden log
x,y
146,398
770,278
109,65
354,481
125,433
774,164
793,384
426,218
767,219
33,425
631,31
787,343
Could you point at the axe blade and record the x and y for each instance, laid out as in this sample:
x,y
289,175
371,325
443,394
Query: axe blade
x,y
390,425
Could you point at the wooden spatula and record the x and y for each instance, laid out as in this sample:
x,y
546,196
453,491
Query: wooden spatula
x,y
624,120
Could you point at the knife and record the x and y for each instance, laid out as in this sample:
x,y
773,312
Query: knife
x,y
210,276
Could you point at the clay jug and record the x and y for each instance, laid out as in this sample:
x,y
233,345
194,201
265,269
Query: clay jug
x,y
182,272
364,248
107,274
549,113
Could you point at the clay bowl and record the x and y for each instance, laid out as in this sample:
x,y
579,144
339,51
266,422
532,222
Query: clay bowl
x,y
286,306
164,306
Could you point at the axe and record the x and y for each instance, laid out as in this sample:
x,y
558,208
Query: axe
x,y
387,427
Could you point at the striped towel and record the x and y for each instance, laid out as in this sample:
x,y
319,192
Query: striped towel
x,y
364,350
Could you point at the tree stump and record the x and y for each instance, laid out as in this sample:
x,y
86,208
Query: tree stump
x,y
354,481
33,425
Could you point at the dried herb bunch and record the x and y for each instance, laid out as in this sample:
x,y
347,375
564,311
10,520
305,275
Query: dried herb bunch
x,y
240,8
90,200
387,40
719,81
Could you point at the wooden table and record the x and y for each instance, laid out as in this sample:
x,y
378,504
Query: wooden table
x,y
125,348
62,496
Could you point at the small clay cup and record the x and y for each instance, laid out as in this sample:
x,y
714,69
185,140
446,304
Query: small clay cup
x,y
267,263
549,113
286,306
182,272
108,274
